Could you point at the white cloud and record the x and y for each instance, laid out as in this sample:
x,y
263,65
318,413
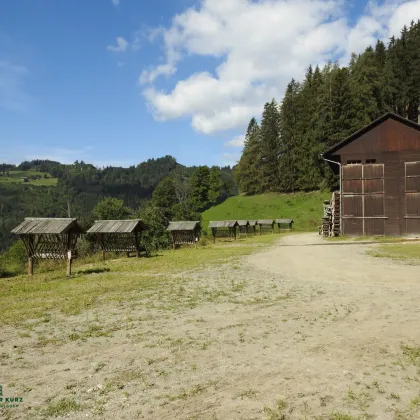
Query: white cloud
x,y
13,95
116,2
261,45
237,141
121,45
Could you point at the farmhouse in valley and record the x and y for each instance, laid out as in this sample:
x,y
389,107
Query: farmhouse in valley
x,y
379,168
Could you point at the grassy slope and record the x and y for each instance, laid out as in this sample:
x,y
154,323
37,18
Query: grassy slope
x,y
304,208
15,178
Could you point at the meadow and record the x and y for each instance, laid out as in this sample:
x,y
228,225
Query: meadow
x,y
14,177
304,208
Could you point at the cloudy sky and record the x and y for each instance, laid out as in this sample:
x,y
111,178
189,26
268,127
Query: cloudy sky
x,y
115,82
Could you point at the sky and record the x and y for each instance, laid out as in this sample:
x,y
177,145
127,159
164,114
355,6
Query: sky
x,y
117,82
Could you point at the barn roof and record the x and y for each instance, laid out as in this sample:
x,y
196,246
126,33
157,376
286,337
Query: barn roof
x,y
253,222
182,225
284,221
243,222
223,223
265,222
369,127
117,226
38,226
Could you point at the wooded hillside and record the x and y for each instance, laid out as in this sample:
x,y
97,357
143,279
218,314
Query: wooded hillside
x,y
81,186
282,153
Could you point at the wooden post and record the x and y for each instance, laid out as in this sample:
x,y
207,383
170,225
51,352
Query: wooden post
x,y
173,240
103,255
136,241
69,262
30,266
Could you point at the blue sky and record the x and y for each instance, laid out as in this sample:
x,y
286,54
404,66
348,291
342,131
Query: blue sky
x,y
115,82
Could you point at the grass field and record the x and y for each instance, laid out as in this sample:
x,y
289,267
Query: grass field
x,y
114,280
403,252
304,208
14,177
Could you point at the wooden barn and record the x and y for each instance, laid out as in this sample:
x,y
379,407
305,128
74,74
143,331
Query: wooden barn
x,y
379,169
184,233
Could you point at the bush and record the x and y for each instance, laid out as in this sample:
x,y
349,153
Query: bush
x,y
85,246
203,241
13,261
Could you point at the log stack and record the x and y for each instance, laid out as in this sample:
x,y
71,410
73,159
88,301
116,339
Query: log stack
x,y
331,218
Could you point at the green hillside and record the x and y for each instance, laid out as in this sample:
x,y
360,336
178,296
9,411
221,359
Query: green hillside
x,y
34,178
304,208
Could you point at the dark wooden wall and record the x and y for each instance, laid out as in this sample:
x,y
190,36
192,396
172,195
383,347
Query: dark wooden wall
x,y
376,202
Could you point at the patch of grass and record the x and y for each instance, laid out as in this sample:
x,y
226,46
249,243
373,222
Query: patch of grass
x,y
304,208
377,239
248,393
415,402
405,251
360,400
341,416
412,354
14,177
62,407
276,413
123,279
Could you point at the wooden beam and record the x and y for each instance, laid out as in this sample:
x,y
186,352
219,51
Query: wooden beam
x,y
30,266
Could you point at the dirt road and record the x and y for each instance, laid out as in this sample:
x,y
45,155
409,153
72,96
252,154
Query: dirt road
x,y
288,331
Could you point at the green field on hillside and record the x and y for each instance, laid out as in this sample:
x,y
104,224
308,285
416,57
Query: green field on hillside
x,y
15,177
304,208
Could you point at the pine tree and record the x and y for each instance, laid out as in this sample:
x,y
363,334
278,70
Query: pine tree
x,y
248,172
289,167
269,134
215,185
199,189
365,88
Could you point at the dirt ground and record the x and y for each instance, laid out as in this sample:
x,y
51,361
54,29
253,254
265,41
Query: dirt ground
x,y
303,330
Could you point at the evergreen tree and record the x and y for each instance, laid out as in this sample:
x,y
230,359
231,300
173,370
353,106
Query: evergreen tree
x,y
215,185
199,189
289,156
247,172
164,197
270,147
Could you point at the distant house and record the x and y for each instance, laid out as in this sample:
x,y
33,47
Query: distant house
x,y
25,179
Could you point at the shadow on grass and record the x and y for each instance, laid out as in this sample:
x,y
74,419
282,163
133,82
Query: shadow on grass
x,y
93,271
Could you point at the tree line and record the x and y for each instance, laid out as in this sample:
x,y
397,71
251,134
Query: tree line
x,y
282,152
159,189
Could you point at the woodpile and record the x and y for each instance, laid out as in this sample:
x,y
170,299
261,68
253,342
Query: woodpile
x,y
331,218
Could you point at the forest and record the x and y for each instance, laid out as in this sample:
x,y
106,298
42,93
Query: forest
x,y
282,152
158,188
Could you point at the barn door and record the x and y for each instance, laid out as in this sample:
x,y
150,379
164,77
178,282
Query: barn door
x,y
363,199
373,199
352,201
412,197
